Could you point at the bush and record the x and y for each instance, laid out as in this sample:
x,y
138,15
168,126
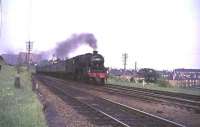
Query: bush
x,y
140,81
163,83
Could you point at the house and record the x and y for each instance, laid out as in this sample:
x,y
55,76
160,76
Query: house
x,y
186,77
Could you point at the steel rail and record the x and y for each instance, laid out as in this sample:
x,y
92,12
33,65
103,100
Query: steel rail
x,y
92,107
124,106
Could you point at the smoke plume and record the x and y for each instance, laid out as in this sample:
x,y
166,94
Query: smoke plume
x,y
69,45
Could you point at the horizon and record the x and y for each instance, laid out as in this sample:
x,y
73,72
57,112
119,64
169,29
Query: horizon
x,y
160,34
119,68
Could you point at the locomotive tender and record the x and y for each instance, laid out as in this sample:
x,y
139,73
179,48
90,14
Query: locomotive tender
x,y
84,67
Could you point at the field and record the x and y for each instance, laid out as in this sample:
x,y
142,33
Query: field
x,y
18,107
154,86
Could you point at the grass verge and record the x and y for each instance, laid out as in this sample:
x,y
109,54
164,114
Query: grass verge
x,y
18,107
155,86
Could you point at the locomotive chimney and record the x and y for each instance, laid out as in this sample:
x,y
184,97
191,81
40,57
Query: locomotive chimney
x,y
95,52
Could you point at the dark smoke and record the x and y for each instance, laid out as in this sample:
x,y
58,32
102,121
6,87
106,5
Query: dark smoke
x,y
64,48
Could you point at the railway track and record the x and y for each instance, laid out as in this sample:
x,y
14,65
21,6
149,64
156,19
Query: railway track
x,y
156,92
148,96
96,117
118,114
187,101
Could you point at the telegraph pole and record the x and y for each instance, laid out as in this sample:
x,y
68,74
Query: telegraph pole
x,y
29,44
29,47
124,58
135,66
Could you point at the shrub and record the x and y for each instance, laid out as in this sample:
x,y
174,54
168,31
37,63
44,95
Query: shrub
x,y
163,83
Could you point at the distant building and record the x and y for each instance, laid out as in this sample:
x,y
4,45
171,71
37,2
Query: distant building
x,y
187,74
120,72
165,74
186,77
21,58
34,58
10,59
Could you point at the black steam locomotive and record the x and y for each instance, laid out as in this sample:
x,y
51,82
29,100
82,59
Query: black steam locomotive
x,y
87,67
149,75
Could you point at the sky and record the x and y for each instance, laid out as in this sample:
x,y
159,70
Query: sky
x,y
159,34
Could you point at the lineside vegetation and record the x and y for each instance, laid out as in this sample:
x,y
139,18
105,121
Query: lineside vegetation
x,y
18,107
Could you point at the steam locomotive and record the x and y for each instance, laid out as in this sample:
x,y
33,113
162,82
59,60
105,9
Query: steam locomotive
x,y
150,75
86,67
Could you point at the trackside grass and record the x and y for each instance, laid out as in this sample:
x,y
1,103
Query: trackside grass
x,y
18,107
154,86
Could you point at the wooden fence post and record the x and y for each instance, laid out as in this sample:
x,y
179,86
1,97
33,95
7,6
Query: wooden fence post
x,y
17,81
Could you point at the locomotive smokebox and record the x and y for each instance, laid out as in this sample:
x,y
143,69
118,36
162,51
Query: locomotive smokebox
x,y
95,52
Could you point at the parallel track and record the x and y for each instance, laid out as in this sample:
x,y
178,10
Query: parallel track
x,y
182,96
148,96
189,101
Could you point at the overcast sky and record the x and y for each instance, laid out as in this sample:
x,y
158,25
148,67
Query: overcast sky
x,y
160,34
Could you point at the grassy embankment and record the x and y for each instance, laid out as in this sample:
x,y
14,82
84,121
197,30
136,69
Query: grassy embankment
x,y
155,86
18,107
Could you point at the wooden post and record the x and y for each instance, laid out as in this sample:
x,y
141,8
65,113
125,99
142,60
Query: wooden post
x,y
143,83
17,81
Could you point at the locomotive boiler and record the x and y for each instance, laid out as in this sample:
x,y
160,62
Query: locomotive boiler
x,y
86,67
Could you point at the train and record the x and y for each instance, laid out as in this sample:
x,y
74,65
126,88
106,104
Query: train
x,y
87,67
149,75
